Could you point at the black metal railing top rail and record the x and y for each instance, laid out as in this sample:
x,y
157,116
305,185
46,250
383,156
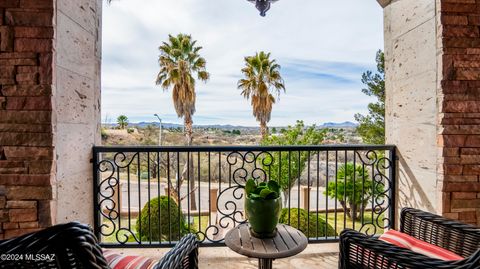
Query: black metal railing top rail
x,y
152,196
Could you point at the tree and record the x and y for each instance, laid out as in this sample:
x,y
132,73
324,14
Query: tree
x,y
149,138
262,81
286,167
372,126
122,121
179,61
353,189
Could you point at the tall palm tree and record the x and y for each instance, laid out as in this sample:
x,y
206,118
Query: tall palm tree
x,y
261,83
122,121
179,61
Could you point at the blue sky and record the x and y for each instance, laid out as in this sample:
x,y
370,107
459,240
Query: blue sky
x,y
322,46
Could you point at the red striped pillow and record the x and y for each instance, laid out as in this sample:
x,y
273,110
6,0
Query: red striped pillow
x,y
118,261
406,241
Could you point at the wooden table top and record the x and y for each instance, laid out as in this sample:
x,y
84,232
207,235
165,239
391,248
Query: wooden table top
x,y
288,242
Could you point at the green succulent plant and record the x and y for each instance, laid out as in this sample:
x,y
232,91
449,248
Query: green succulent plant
x,y
262,191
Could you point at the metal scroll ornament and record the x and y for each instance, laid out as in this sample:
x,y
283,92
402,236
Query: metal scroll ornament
x,y
263,5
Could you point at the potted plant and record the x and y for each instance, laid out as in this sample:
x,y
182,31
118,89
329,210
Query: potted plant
x,y
262,207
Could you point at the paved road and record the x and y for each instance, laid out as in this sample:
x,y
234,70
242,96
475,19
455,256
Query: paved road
x,y
226,195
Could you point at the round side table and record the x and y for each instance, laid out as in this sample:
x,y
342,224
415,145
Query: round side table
x,y
288,242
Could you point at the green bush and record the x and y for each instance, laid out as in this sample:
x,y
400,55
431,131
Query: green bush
x,y
170,220
354,189
144,175
284,166
130,130
104,134
314,229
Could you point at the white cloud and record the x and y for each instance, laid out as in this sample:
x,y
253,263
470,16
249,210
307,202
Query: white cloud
x,y
323,47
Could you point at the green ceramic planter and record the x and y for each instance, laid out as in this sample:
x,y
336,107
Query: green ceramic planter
x,y
263,216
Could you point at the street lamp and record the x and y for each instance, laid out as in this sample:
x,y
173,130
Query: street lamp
x,y
160,131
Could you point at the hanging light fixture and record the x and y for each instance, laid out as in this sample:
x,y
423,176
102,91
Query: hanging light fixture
x,y
263,5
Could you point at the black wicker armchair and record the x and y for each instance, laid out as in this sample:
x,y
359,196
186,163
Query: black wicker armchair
x,y
184,255
73,245
360,251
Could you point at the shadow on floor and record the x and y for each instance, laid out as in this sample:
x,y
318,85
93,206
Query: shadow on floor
x,y
324,256
301,261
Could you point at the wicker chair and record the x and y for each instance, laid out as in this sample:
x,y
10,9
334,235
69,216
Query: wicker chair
x,y
74,245
360,251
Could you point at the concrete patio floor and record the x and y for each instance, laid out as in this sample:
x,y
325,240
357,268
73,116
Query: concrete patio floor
x,y
324,256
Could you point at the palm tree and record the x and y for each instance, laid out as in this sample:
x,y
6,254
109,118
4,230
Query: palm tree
x,y
262,81
179,61
122,121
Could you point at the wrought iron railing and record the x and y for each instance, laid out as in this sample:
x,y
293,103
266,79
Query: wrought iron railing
x,y
200,190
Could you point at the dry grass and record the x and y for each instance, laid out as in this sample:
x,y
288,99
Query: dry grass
x,y
203,222
201,137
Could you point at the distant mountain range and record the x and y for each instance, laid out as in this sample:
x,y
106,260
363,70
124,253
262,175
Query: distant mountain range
x,y
345,124
143,124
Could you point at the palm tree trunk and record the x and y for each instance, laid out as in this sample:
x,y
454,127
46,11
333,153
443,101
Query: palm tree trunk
x,y
263,129
188,123
191,178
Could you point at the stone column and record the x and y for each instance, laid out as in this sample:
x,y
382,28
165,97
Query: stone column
x,y
432,51
76,117
411,66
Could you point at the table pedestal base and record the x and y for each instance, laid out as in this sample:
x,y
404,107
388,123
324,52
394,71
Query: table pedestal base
x,y
265,263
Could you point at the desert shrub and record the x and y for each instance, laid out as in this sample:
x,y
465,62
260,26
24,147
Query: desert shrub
x,y
315,229
144,175
104,133
130,130
354,189
171,221
284,167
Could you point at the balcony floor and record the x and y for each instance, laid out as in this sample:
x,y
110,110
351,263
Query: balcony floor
x,y
323,256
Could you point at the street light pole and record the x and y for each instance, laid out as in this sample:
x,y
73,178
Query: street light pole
x,y
160,131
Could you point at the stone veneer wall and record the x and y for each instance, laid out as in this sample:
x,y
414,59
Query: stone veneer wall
x,y
460,109
26,137
49,111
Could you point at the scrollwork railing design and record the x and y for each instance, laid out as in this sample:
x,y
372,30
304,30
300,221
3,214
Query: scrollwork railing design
x,y
242,166
381,191
201,190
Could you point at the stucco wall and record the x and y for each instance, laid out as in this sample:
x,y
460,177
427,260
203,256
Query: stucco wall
x,y
76,105
411,51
